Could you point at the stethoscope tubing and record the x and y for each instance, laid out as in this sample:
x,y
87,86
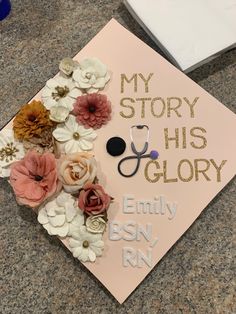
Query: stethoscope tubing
x,y
137,154
136,168
138,157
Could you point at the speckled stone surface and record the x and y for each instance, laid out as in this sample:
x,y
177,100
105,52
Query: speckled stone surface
x,y
37,274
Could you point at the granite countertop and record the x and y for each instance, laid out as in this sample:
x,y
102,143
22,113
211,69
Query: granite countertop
x,y
38,275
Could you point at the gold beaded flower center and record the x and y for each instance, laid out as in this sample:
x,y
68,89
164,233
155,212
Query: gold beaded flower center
x,y
60,92
7,153
85,244
76,136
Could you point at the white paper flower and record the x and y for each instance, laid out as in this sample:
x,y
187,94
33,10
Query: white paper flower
x,y
10,151
91,75
61,216
58,114
75,136
86,246
60,91
67,66
96,224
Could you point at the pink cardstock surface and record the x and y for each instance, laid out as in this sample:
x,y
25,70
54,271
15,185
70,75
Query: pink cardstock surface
x,y
124,53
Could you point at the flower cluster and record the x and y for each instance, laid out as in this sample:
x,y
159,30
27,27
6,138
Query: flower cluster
x,y
47,156
75,90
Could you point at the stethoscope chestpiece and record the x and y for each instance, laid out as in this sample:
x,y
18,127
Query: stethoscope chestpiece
x,y
154,154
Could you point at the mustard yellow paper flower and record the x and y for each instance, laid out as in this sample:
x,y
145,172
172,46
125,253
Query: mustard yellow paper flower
x,y
32,120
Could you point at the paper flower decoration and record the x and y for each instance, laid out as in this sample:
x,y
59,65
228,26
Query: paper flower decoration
x,y
61,216
92,111
75,170
41,144
45,155
59,114
60,91
75,136
67,66
91,75
93,200
34,178
96,224
86,246
32,120
10,151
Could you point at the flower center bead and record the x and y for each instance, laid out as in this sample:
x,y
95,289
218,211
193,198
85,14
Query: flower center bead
x,y
85,244
92,108
8,152
76,136
61,92
38,178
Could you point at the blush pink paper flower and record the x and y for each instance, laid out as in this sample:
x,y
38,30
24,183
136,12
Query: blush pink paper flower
x,y
34,178
92,110
93,200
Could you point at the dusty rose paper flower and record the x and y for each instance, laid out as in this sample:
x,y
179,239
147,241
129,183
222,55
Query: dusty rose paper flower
x,y
92,110
34,178
93,200
76,170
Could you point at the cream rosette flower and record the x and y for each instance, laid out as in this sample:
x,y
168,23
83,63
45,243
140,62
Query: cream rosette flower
x,y
91,75
60,91
96,224
10,151
75,170
61,216
74,136
67,66
58,114
86,246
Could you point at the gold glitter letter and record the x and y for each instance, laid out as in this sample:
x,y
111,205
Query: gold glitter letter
x,y
143,105
146,81
165,174
218,169
203,171
204,140
163,107
184,137
132,113
175,138
180,172
175,109
124,78
191,105
157,175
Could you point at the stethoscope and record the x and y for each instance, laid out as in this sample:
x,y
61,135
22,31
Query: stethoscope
x,y
138,154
